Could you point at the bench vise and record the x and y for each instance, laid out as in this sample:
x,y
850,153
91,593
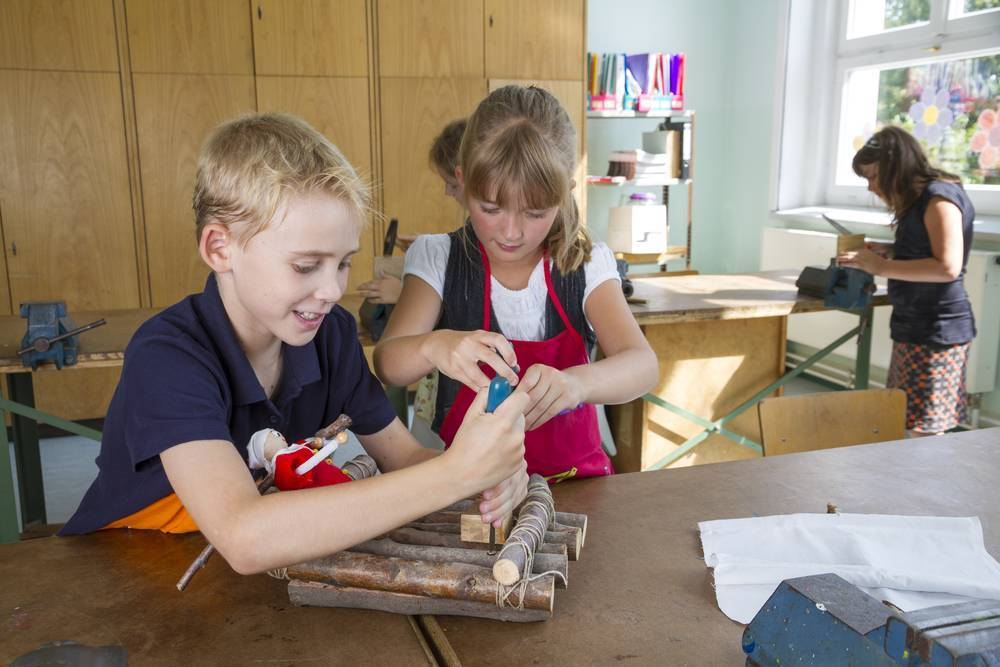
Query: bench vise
x,y
51,335
838,286
823,620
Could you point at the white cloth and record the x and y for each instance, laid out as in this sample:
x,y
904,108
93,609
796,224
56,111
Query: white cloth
x,y
911,561
520,313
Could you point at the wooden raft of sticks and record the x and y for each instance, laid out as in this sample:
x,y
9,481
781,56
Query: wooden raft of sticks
x,y
425,568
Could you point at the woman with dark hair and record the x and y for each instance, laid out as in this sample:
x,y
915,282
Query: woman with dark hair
x,y
932,323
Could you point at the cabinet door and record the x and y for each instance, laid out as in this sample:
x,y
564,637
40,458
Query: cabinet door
x,y
571,97
67,215
58,34
337,107
174,113
427,38
414,111
190,36
528,39
310,37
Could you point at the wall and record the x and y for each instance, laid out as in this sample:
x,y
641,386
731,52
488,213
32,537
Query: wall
x,y
732,84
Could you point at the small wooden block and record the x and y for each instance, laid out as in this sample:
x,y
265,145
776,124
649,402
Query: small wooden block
x,y
474,530
850,242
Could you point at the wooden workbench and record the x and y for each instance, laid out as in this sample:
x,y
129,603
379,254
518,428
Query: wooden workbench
x,y
117,588
641,595
719,339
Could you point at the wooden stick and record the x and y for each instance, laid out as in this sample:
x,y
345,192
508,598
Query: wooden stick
x,y
361,467
432,554
566,535
341,423
575,520
316,594
536,514
408,535
454,581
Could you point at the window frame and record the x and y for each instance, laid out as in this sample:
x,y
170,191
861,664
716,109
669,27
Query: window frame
x,y
940,38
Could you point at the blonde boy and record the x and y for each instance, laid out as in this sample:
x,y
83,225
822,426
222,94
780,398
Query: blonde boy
x,y
279,212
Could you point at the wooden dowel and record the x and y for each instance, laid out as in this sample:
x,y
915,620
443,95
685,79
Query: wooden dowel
x,y
536,514
315,594
568,535
385,547
407,535
455,581
361,467
575,520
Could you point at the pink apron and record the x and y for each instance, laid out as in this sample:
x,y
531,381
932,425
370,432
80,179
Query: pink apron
x,y
568,445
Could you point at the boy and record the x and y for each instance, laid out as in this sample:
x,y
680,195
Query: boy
x,y
279,212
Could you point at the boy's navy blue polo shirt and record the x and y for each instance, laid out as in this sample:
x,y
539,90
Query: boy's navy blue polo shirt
x,y
186,378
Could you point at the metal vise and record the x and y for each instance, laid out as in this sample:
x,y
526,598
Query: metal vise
x,y
51,335
823,620
838,286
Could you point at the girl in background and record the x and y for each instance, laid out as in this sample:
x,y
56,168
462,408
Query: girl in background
x,y
932,323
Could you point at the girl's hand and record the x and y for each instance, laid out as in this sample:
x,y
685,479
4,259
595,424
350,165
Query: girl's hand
x,y
501,500
457,354
880,248
384,289
551,392
863,259
488,450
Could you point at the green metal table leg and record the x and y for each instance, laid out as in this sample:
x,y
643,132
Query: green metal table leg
x,y
862,366
26,452
9,530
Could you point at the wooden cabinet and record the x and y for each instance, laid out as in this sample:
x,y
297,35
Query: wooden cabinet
x,y
430,38
527,38
414,111
310,37
58,35
190,36
174,113
338,108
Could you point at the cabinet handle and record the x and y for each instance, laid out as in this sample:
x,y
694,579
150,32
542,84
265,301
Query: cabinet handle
x,y
491,20
260,12
13,248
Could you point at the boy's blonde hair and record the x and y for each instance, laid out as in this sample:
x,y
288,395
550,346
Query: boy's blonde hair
x,y
250,165
444,150
519,149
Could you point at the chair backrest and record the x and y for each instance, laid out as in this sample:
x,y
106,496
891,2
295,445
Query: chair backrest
x,y
790,424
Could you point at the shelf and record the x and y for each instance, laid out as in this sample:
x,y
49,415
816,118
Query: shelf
x,y
640,114
643,184
673,252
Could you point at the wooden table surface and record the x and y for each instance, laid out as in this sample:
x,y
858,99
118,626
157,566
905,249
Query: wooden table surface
x,y
641,595
105,345
117,588
724,297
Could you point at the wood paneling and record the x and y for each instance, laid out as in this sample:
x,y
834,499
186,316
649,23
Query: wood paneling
x,y
310,37
65,190
58,34
413,112
190,36
430,38
527,38
338,108
174,113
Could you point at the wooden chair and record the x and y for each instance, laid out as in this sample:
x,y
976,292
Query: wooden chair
x,y
790,424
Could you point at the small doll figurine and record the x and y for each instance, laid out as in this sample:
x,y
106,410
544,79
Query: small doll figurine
x,y
289,464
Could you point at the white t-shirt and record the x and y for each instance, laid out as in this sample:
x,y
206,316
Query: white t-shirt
x,y
520,313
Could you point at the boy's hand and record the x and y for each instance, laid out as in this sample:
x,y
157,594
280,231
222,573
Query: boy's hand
x,y
489,448
551,391
457,354
501,500
384,289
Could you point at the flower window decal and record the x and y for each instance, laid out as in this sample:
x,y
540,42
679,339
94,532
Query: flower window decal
x,y
986,139
931,115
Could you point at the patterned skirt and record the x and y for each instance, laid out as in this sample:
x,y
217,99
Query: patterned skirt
x,y
933,378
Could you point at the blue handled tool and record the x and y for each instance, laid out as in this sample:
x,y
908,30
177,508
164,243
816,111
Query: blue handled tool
x,y
499,391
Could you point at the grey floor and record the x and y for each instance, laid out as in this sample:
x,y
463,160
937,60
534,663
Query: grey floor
x,y
68,465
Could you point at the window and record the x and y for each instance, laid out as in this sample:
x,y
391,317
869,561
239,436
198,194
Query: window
x,y
931,67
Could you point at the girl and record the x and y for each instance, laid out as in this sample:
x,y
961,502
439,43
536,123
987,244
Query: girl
x,y
520,291
932,323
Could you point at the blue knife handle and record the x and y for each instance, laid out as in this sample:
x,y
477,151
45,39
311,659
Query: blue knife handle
x,y
499,391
